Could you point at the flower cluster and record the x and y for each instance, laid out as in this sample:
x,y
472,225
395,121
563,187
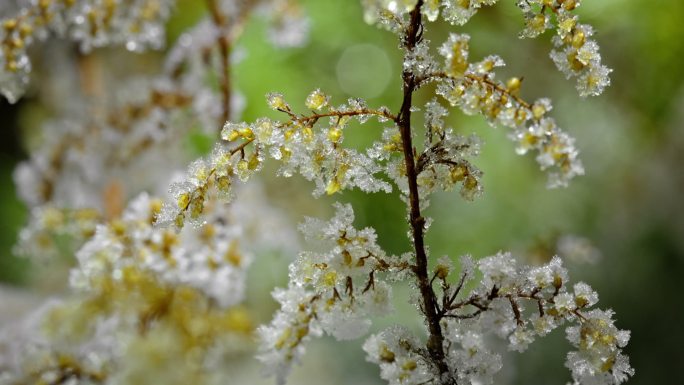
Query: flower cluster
x,y
514,303
96,158
48,224
315,153
92,23
333,292
141,290
575,54
473,88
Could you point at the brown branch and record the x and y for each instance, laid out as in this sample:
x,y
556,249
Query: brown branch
x,y
516,310
224,45
312,119
472,78
436,340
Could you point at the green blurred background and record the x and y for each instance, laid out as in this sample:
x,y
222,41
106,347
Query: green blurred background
x,y
629,204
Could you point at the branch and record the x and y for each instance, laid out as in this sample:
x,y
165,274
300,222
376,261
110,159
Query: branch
x,y
472,78
223,41
417,222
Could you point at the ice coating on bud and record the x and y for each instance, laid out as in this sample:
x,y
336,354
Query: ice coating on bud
x,y
317,100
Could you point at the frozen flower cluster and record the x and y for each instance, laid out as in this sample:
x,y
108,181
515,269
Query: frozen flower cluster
x,y
333,292
85,171
472,87
95,158
515,303
314,152
397,351
575,54
149,301
92,23
209,260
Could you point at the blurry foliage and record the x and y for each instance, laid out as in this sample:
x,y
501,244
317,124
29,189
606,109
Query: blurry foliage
x,y
631,140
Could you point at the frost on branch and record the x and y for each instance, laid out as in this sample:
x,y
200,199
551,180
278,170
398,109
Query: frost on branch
x,y
332,292
515,303
520,303
314,152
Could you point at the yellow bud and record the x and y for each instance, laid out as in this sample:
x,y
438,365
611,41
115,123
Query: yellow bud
x,y
12,66
333,186
409,365
276,102
253,162
608,364
308,133
233,135
581,301
458,173
9,24
389,147
557,281
570,5
568,24
197,208
513,85
442,271
246,133
386,355
118,227
183,201
233,256
155,206
538,111
316,100
578,39
334,134
347,258
179,221
285,152
538,22
330,278
575,64
470,183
